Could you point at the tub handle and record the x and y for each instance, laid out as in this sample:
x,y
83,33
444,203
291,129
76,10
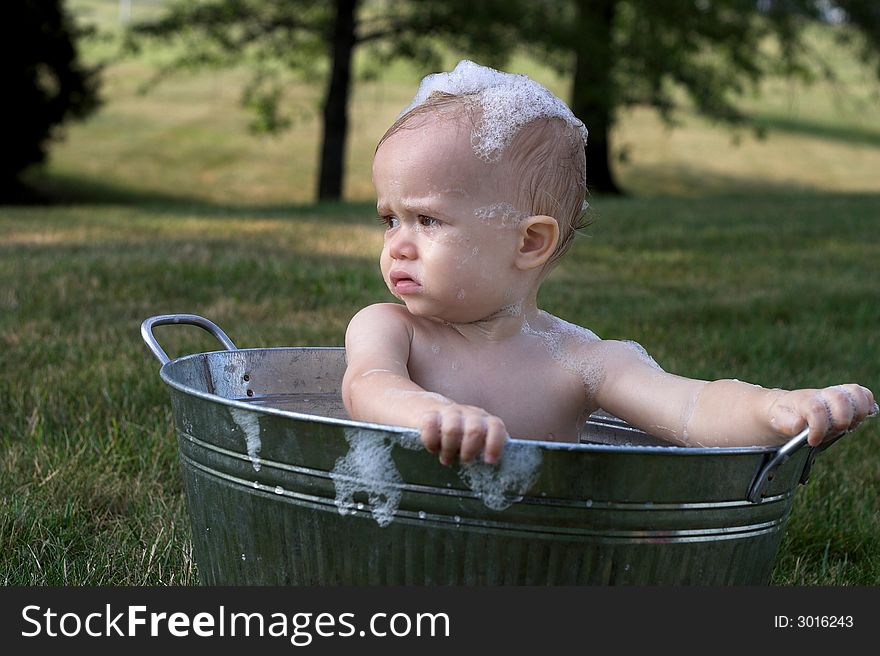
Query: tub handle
x,y
762,481
187,319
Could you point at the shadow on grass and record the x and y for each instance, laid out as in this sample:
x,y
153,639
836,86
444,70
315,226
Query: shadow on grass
x,y
849,134
690,182
40,189
646,182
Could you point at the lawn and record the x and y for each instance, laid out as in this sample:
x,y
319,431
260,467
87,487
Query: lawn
x,y
776,291
757,262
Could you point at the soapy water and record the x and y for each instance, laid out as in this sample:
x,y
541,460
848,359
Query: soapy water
x,y
501,485
249,423
507,101
368,468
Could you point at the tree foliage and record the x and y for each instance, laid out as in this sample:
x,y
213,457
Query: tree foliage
x,y
45,84
707,53
318,38
618,53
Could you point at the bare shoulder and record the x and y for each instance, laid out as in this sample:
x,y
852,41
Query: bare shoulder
x,y
609,352
381,319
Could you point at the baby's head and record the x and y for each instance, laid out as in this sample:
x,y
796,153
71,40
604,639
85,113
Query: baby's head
x,y
483,173
532,138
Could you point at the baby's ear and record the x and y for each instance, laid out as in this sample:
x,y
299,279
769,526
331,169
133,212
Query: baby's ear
x,y
538,236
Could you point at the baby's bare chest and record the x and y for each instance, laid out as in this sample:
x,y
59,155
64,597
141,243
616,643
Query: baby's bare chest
x,y
520,382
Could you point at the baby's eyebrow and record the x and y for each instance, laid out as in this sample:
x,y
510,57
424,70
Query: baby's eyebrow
x,y
423,206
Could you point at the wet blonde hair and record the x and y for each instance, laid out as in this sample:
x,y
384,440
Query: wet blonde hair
x,y
546,157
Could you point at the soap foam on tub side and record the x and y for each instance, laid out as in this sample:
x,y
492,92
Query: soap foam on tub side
x,y
368,468
249,423
504,484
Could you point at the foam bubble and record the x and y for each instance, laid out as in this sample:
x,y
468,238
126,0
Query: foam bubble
x,y
503,484
368,468
249,423
392,393
501,215
376,371
563,340
643,354
507,102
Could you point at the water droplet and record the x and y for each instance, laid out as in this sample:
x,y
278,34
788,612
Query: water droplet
x,y
243,557
457,519
256,485
279,490
422,514
589,503
360,506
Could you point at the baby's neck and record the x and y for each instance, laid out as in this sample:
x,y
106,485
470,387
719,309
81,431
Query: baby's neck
x,y
504,323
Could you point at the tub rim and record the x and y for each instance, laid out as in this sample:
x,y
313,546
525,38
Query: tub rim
x,y
412,433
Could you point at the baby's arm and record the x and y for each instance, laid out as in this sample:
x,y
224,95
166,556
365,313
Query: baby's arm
x,y
722,412
377,388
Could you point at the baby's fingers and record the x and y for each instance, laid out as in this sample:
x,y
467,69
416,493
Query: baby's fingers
x,y
475,430
819,418
429,430
451,432
496,437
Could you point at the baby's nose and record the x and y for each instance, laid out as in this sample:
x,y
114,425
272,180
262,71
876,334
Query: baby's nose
x,y
401,246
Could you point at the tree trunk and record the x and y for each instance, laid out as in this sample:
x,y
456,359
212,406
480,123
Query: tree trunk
x,y
335,110
593,93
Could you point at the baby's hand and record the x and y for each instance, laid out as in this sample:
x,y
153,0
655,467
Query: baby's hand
x,y
828,412
463,430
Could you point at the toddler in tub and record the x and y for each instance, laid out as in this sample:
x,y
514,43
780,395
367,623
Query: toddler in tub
x,y
480,184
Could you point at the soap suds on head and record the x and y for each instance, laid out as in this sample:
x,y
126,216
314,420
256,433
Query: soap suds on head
x,y
249,423
507,102
502,215
503,484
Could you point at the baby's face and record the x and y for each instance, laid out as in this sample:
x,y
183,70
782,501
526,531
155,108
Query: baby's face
x,y
450,235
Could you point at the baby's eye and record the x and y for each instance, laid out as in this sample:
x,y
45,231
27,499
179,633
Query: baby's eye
x,y
428,221
390,221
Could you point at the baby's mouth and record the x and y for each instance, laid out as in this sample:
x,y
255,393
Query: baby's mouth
x,y
403,283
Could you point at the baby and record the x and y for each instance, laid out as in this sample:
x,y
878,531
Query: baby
x,y
480,185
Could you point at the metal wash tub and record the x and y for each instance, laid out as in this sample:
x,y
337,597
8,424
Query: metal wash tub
x,y
283,489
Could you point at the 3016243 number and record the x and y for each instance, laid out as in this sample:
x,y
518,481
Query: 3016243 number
x,y
824,621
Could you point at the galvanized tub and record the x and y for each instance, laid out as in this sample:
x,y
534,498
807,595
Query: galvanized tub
x,y
283,489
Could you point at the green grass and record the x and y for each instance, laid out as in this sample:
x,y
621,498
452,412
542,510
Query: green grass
x,y
756,262
777,291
